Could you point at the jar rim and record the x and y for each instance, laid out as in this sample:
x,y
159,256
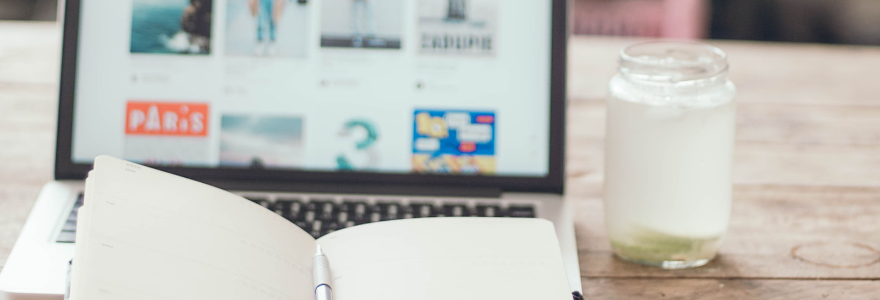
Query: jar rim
x,y
672,61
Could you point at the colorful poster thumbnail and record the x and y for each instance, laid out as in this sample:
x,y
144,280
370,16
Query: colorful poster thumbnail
x,y
166,133
166,118
453,141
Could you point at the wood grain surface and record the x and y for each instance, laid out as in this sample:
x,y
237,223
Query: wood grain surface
x,y
806,210
28,98
723,289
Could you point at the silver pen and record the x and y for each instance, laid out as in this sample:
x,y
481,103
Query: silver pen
x,y
321,276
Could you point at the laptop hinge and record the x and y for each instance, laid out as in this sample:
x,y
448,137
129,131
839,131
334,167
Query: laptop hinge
x,y
349,188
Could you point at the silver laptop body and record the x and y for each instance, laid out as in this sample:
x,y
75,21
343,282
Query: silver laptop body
x,y
37,267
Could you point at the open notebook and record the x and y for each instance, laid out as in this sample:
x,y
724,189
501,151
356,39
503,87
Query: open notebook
x,y
146,234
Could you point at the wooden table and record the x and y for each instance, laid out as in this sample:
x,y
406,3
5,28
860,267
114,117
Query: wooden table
x,y
806,214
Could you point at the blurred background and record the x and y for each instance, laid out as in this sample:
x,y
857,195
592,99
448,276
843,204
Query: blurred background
x,y
803,21
37,10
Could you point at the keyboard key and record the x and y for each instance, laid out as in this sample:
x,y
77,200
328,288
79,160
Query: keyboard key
x,y
327,211
489,211
389,210
348,205
66,237
456,210
360,209
327,217
68,231
362,219
264,202
392,209
288,208
328,226
297,210
422,210
256,198
521,211
328,208
356,211
282,205
303,225
278,212
69,226
318,204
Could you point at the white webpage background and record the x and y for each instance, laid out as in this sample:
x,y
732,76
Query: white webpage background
x,y
514,84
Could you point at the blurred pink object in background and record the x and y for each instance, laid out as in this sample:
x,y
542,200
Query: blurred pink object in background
x,y
680,19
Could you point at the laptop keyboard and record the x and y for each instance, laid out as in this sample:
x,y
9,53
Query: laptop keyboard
x,y
322,215
68,232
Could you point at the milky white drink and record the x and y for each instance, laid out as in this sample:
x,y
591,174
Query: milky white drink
x,y
669,147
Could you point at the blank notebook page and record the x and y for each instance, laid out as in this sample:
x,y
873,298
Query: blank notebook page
x,y
447,258
151,236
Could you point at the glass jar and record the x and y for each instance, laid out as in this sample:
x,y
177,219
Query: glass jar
x,y
668,154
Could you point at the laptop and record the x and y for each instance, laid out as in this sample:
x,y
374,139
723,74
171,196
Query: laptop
x,y
331,113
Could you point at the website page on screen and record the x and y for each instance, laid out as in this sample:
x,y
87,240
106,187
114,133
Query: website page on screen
x,y
393,86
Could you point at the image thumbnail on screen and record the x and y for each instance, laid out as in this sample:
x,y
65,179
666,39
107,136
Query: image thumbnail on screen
x,y
258,141
276,28
454,142
362,23
359,152
171,26
167,133
458,26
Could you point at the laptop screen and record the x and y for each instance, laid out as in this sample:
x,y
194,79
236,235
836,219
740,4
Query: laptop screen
x,y
387,86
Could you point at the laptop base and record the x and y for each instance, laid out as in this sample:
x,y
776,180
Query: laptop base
x,y
37,266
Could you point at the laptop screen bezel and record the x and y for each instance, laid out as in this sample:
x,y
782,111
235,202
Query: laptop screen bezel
x,y
67,169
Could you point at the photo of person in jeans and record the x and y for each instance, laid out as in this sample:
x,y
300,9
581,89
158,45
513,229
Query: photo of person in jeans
x,y
363,21
362,24
264,10
267,28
